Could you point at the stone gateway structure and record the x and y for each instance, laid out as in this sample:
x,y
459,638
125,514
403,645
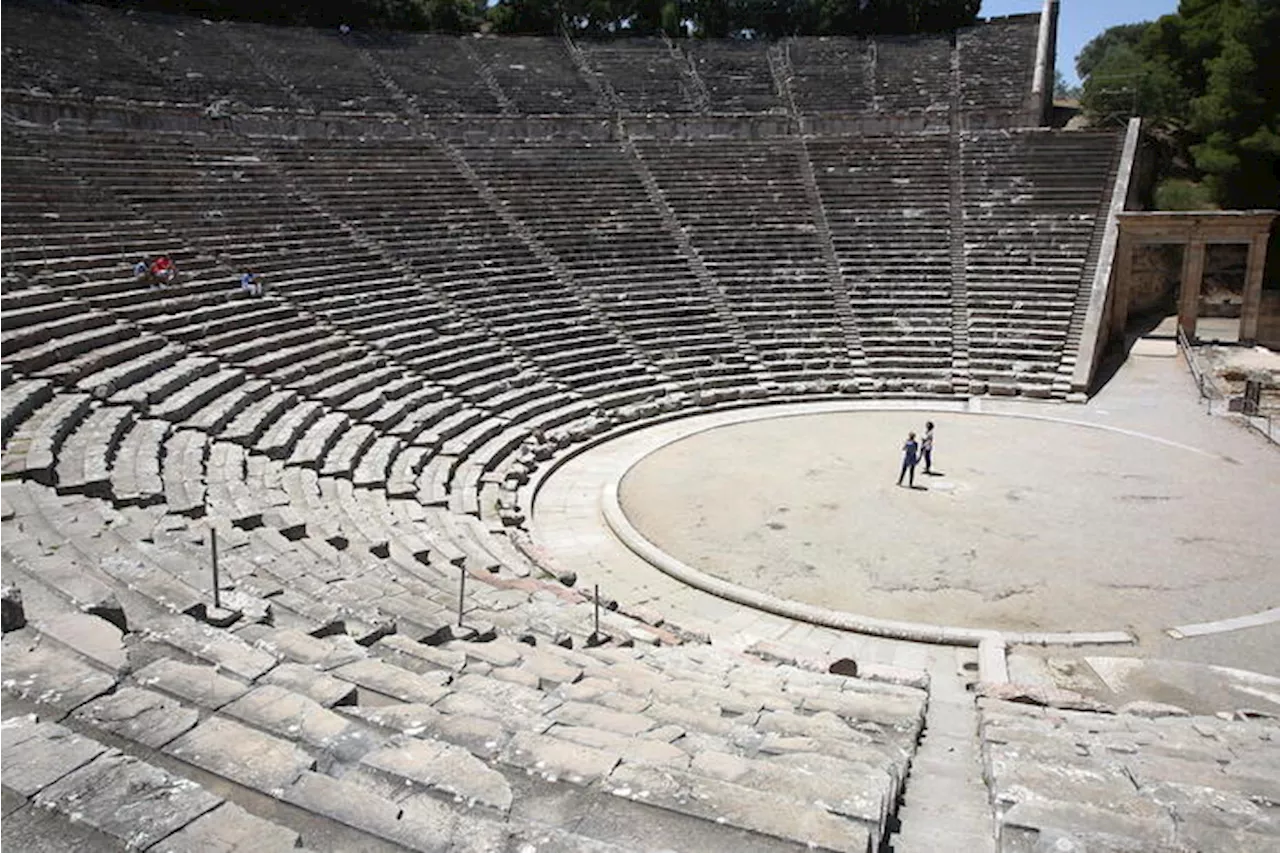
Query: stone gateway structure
x,y
488,264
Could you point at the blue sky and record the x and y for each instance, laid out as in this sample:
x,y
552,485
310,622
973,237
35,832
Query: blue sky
x,y
1080,20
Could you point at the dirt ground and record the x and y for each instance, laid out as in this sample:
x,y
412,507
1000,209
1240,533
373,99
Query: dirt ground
x,y
1032,525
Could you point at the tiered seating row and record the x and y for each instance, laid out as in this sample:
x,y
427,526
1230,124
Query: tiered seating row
x,y
330,708
98,52
887,204
1129,782
747,215
1030,216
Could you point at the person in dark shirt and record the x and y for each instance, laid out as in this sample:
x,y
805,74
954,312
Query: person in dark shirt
x,y
910,451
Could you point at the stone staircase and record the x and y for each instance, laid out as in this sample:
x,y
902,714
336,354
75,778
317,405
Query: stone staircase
x,y
839,287
714,293
945,805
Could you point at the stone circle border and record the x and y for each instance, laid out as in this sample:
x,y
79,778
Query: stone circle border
x,y
621,527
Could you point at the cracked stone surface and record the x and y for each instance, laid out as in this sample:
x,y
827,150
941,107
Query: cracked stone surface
x,y
229,829
139,715
128,799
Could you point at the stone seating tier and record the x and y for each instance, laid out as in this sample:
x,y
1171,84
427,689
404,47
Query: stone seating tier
x,y
737,76
228,68
643,74
345,710
1129,781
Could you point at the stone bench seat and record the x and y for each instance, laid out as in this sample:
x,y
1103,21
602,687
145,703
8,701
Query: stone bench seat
x,y
21,399
228,494
85,458
450,426
101,793
373,468
472,385
222,409
432,480
317,362
341,390
283,355
345,455
250,423
318,439
182,474
184,400
32,451
409,418
316,377
48,349
270,341
285,432
396,409
136,469
165,382
234,344
133,366
402,475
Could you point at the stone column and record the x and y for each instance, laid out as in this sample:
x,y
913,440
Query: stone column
x,y
1192,273
1253,288
1121,286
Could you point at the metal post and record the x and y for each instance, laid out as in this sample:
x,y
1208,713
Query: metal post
x,y
462,591
597,632
213,552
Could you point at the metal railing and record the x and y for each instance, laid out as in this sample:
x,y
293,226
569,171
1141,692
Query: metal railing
x,y
1216,402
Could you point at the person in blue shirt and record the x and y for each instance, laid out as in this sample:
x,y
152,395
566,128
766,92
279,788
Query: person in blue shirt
x,y
249,283
910,451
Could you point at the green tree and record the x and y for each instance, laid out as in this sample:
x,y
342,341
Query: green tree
x,y
1237,117
1093,52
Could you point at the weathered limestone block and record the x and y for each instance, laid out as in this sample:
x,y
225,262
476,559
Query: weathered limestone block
x,y
199,685
1037,825
558,759
128,799
241,754
443,767
229,829
298,717
768,812
92,638
397,683
584,714
323,688
139,715
34,755
49,676
418,823
642,750
304,648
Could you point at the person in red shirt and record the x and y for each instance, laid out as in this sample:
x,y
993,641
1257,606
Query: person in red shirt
x,y
163,272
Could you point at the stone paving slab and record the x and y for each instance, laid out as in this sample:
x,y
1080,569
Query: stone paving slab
x,y
229,829
35,755
241,754
139,715
723,802
443,767
43,674
128,799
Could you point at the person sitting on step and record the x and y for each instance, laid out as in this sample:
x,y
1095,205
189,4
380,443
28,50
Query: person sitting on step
x,y
250,284
163,272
